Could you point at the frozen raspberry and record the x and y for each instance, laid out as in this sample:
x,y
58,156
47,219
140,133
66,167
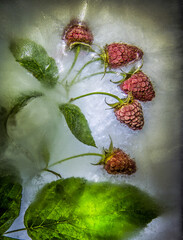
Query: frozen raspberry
x,y
116,161
130,114
119,163
77,32
120,54
140,86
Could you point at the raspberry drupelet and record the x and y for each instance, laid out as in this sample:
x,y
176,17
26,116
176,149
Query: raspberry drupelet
x,y
119,163
77,32
130,114
117,55
140,86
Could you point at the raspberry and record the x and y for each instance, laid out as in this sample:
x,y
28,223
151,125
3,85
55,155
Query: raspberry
x,y
120,54
130,114
77,32
119,163
140,86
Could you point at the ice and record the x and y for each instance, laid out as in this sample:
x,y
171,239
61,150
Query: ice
x,y
156,148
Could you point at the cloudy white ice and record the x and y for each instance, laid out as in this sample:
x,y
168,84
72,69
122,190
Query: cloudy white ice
x,y
156,148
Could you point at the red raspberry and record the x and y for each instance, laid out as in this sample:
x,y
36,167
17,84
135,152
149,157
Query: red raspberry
x,y
131,114
140,86
119,163
120,54
115,161
77,31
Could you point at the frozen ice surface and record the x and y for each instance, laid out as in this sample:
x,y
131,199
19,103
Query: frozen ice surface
x,y
155,148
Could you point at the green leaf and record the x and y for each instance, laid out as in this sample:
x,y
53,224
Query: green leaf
x,y
74,208
35,59
77,123
10,200
20,103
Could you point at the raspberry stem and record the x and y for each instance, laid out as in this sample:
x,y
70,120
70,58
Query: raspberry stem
x,y
81,69
76,156
73,64
93,93
98,73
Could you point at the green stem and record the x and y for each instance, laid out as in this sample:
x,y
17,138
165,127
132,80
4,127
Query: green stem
x,y
98,73
85,65
101,49
73,64
16,230
55,173
103,93
76,156
37,227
